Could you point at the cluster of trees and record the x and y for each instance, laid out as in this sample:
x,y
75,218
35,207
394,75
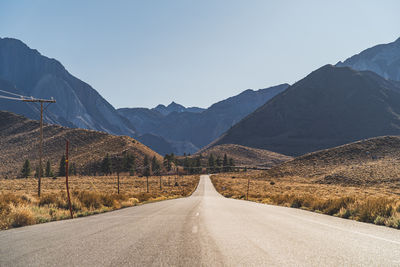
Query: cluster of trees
x,y
26,170
216,164
127,163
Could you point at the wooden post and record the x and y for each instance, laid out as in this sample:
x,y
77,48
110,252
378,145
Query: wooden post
x,y
160,183
40,148
147,182
66,178
248,186
41,101
118,181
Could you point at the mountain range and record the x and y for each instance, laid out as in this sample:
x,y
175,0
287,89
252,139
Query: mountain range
x,y
330,107
355,99
26,72
383,59
195,129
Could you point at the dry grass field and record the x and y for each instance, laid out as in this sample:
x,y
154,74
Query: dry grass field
x,y
19,204
376,203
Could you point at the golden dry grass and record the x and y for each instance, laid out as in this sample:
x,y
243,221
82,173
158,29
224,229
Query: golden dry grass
x,y
19,204
378,203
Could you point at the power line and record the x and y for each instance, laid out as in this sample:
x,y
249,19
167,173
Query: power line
x,y
10,98
11,93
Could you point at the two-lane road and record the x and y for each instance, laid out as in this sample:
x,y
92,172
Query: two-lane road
x,y
205,229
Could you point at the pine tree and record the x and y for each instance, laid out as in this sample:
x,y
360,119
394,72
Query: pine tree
x,y
49,172
231,164
155,166
71,169
225,163
219,164
146,166
61,169
167,162
26,169
106,165
37,169
128,163
198,165
211,163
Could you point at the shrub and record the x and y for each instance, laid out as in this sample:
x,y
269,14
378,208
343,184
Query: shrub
x,y
21,216
47,199
90,200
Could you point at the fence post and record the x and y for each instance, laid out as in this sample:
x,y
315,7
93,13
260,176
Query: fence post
x,y
118,181
66,177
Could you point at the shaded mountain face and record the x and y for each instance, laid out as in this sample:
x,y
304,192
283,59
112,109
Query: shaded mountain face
x,y
331,106
382,59
19,138
78,104
197,129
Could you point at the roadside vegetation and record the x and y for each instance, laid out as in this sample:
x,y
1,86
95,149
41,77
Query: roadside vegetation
x,y
20,206
378,204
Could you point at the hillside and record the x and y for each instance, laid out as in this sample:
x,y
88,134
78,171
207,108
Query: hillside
x,y
330,107
367,162
19,140
383,59
245,156
78,105
197,129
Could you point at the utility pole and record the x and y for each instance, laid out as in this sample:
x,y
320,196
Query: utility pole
x,y
66,177
41,101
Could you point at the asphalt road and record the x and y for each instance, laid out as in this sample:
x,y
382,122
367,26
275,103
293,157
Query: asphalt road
x,y
205,229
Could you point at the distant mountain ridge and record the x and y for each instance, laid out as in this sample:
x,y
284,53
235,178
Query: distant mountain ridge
x,y
196,129
330,107
174,107
383,59
78,104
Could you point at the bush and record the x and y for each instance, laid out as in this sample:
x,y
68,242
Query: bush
x,y
90,200
22,216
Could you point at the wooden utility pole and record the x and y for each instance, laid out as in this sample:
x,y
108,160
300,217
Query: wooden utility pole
x,y
248,187
66,177
41,101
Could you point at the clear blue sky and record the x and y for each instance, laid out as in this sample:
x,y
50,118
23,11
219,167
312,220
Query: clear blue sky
x,y
142,53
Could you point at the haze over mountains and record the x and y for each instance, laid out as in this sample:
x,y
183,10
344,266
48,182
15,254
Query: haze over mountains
x,y
195,129
166,129
333,105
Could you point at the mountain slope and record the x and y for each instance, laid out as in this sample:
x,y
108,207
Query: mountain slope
x,y
366,162
331,106
201,128
245,156
78,104
382,59
19,140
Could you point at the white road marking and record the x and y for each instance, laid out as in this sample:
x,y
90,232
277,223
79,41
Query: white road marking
x,y
347,230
